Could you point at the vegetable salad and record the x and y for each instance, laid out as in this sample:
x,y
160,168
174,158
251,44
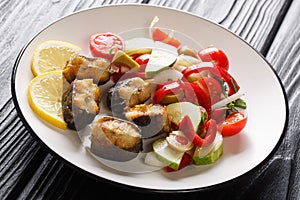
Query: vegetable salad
x,y
184,99
201,97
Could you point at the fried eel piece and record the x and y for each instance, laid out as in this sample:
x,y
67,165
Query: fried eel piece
x,y
127,93
151,119
81,67
115,139
80,103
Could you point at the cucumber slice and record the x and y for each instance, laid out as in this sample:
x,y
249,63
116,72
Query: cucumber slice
x,y
177,111
151,159
139,43
162,57
166,154
209,154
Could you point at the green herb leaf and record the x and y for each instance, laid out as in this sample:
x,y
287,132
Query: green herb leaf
x,y
240,103
234,85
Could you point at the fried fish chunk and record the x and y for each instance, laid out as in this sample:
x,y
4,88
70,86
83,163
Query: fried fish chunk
x,y
115,139
81,67
151,119
80,103
127,93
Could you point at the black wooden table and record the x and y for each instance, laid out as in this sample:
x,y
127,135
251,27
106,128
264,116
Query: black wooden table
x,y
28,172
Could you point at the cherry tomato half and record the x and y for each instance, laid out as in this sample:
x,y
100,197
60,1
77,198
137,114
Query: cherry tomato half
x,y
105,45
215,55
233,124
212,87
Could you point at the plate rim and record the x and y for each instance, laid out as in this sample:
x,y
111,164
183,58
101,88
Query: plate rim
x,y
127,186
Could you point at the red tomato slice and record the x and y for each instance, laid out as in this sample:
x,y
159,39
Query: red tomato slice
x,y
212,87
105,45
135,56
213,54
233,124
159,35
186,160
143,59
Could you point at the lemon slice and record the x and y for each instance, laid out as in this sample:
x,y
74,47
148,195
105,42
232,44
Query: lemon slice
x,y
44,97
52,55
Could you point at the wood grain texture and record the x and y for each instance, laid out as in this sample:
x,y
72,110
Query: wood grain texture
x,y
29,172
284,56
20,21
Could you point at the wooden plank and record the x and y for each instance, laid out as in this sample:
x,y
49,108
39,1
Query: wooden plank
x,y
19,153
21,20
284,56
253,20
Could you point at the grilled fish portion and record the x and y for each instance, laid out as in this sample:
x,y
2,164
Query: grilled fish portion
x,y
81,67
80,103
151,119
115,139
127,93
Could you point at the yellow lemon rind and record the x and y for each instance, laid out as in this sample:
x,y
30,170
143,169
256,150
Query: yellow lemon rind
x,y
54,120
55,43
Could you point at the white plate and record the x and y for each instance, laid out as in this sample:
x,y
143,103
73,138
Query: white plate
x,y
243,153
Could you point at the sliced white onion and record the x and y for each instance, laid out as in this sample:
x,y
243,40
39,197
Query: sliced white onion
x,y
227,100
167,75
152,24
176,145
171,34
184,61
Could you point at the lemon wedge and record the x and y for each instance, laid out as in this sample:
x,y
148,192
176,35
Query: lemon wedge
x,y
52,55
45,95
